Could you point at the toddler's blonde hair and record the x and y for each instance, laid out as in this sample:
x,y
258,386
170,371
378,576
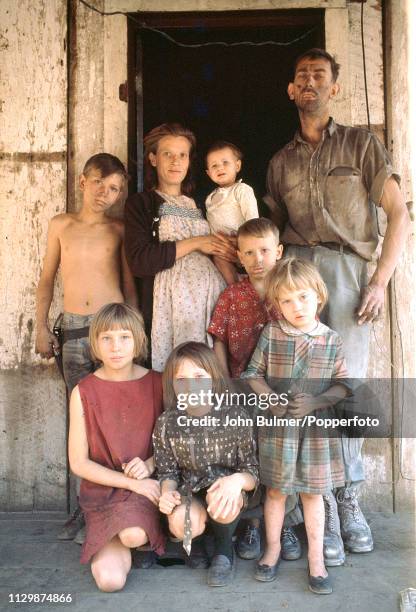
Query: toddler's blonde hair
x,y
294,274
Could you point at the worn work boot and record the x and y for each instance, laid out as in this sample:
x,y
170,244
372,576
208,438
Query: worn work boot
x,y
73,525
221,571
248,543
291,548
333,545
354,528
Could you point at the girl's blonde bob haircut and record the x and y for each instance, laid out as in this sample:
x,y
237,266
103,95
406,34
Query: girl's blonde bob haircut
x,y
119,316
295,274
203,357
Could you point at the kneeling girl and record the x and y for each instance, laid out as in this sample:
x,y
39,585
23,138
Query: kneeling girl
x,y
112,416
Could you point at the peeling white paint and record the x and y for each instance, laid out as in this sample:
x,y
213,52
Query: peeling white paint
x,y
33,119
32,43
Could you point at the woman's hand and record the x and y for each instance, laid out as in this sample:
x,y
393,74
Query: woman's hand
x,y
224,496
168,501
148,487
136,468
218,244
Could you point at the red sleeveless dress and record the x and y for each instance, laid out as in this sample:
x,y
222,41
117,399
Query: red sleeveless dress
x,y
119,418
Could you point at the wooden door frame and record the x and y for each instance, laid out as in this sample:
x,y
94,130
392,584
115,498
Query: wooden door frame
x,y
211,19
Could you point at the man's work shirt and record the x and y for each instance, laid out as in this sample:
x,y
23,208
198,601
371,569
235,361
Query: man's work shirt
x,y
326,195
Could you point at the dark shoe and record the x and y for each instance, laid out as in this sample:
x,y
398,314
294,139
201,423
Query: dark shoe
x,y
334,554
221,571
248,543
143,559
266,573
80,537
354,528
291,548
72,526
319,584
198,559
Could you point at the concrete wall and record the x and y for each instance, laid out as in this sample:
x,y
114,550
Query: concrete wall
x,y
33,145
32,43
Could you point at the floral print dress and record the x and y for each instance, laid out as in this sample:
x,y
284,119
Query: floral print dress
x,y
184,295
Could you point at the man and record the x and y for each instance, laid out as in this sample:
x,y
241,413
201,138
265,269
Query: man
x,y
322,188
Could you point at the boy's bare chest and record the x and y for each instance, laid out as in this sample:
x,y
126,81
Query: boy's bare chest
x,y
90,243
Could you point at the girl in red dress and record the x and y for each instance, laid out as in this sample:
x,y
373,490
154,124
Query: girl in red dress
x,y
112,415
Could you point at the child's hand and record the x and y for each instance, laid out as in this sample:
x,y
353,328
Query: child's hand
x,y
278,411
303,404
148,487
224,496
136,468
168,501
45,343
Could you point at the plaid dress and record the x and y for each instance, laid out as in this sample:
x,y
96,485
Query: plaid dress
x,y
295,459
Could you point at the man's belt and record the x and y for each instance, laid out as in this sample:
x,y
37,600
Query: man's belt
x,y
74,334
336,246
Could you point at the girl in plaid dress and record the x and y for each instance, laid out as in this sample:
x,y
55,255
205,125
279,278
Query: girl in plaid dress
x,y
308,356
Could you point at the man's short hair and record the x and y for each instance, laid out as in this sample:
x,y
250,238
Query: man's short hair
x,y
316,53
106,164
258,228
223,144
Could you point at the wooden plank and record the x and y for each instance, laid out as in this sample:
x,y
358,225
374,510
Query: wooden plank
x,y
400,19
219,5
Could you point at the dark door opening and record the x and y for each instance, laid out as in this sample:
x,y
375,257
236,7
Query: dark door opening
x,y
228,92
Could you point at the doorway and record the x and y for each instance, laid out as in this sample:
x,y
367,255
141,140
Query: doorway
x,y
229,91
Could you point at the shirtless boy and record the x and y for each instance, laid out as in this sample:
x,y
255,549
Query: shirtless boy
x,y
88,246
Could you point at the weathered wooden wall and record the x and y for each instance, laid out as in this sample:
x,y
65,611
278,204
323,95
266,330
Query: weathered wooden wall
x,y
33,144
400,24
